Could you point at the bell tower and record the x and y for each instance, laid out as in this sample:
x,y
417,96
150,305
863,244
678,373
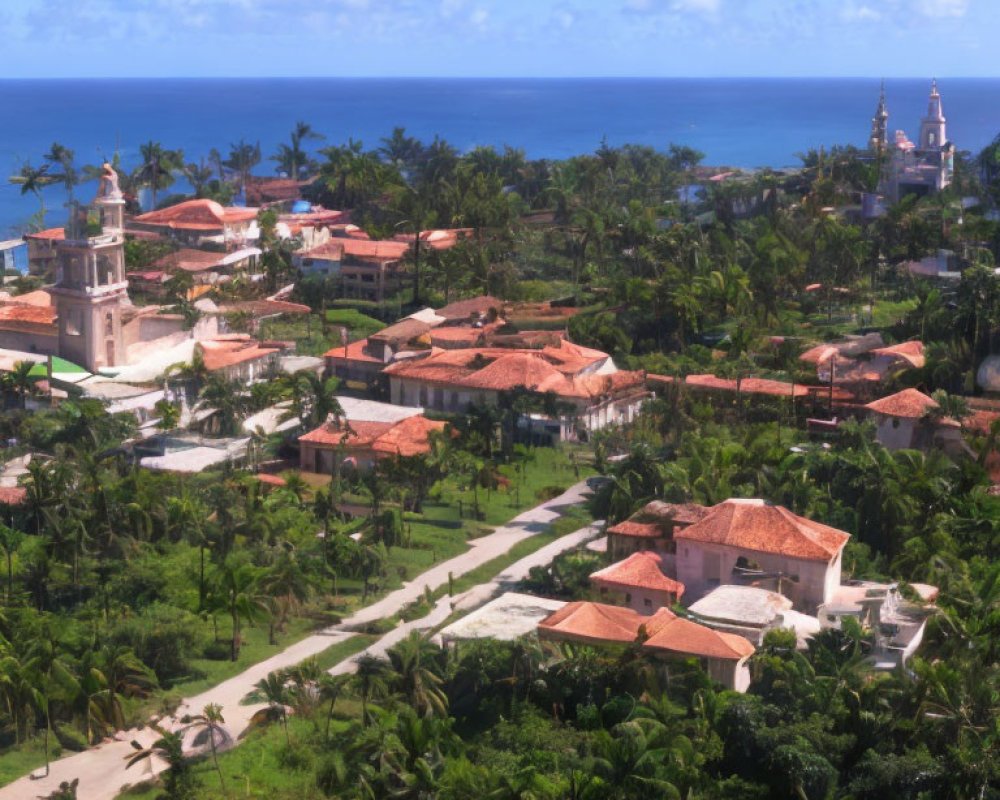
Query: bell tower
x,y
91,292
932,127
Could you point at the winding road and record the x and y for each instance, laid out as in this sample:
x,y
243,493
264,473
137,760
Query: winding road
x,y
101,769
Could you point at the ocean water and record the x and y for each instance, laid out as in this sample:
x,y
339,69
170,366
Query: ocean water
x,y
738,122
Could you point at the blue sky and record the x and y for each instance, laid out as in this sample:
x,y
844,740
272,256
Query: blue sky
x,y
121,38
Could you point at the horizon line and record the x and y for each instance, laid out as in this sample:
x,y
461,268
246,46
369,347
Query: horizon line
x,y
492,77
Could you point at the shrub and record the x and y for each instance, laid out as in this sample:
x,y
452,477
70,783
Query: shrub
x,y
70,738
549,493
164,637
217,651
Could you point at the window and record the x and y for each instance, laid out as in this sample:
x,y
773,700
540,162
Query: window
x,y
931,139
109,324
628,597
74,322
647,602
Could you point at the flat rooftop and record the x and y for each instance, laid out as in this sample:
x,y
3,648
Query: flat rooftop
x,y
505,618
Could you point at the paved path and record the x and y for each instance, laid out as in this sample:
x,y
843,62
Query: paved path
x,y
101,769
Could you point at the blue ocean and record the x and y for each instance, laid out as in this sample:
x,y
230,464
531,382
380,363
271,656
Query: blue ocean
x,y
736,122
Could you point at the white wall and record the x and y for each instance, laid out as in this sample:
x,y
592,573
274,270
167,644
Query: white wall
x,y
895,433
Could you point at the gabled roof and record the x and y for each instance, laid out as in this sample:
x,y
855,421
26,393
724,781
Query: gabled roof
x,y
684,637
748,385
597,623
912,352
754,525
52,234
200,214
684,513
908,403
27,318
643,570
463,309
228,351
406,437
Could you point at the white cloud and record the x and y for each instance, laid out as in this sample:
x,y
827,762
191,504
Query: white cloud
x,y
853,13
700,6
943,8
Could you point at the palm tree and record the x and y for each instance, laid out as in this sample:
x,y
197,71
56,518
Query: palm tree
x,y
243,157
11,540
62,159
169,746
371,679
416,674
272,690
186,515
51,681
238,595
32,179
198,175
312,399
330,688
288,584
157,168
291,157
209,722
20,381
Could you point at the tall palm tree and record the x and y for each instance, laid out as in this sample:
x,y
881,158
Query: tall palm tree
x,y
61,158
330,688
169,746
158,167
291,158
209,723
370,680
237,593
243,157
272,690
416,666
198,175
34,179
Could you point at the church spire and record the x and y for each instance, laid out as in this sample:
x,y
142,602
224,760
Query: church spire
x,y
880,124
934,103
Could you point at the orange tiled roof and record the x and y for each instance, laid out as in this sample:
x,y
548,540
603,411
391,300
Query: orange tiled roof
x,y
755,525
27,318
39,298
637,530
225,352
558,369
685,513
271,480
408,437
355,352
684,637
913,352
641,570
463,309
908,403
13,495
56,234
387,250
597,623
200,214
749,385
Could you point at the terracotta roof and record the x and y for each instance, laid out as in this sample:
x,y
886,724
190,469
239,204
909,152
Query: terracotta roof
x,y
26,318
268,190
637,530
408,437
755,525
402,331
201,214
684,637
463,309
913,352
597,623
641,570
332,250
685,513
440,239
383,250
13,495
39,298
457,335
271,480
355,352
227,352
57,234
558,369
908,403
748,385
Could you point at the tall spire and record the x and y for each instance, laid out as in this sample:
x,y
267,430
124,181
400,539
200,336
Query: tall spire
x,y
932,127
880,124
934,103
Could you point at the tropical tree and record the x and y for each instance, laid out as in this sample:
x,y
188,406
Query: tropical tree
x,y
180,782
157,168
210,723
291,158
238,593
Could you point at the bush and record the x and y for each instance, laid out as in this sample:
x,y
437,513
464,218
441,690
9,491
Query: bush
x,y
217,651
549,493
70,738
164,637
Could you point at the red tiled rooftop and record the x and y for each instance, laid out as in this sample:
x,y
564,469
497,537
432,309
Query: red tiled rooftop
x,y
642,570
355,351
684,513
223,352
748,385
367,248
16,317
684,637
13,495
637,530
755,525
597,623
409,437
271,480
908,403
913,352
200,214
56,234
39,298
189,260
463,309
355,434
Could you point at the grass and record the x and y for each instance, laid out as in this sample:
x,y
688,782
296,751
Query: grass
x,y
345,648
359,326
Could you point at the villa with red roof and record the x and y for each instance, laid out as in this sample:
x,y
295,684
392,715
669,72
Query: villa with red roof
x,y
640,581
199,221
663,634
238,357
911,420
596,394
759,543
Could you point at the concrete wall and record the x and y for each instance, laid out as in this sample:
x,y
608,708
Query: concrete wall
x,y
702,567
46,344
895,433
644,601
